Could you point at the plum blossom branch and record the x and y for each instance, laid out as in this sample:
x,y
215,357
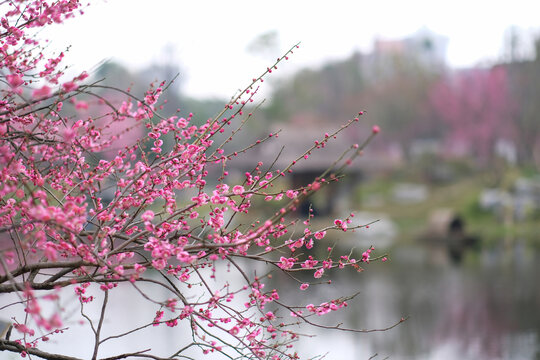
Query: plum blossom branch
x,y
127,196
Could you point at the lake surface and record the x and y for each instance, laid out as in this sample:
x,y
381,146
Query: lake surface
x,y
487,307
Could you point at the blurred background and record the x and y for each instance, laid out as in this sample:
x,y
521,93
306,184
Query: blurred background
x,y
454,176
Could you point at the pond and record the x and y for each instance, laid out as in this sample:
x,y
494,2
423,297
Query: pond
x,y
487,307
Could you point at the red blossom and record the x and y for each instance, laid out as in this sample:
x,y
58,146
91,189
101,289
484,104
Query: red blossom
x,y
42,92
128,195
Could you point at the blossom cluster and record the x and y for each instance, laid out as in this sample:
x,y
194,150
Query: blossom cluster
x,y
78,210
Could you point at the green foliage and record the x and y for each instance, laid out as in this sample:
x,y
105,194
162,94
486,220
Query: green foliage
x,y
327,93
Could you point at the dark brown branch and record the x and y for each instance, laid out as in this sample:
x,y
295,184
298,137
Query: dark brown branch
x,y
13,346
20,286
100,324
140,354
45,265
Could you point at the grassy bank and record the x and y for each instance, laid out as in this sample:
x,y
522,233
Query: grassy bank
x,y
461,196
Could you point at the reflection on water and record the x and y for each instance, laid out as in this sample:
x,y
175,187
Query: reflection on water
x,y
485,308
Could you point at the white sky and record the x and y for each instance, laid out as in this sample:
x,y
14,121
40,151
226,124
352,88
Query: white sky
x,y
210,36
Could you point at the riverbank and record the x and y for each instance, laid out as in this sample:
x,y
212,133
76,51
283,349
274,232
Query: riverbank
x,y
412,215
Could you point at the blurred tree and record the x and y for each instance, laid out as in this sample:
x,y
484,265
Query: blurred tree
x,y
265,45
325,94
395,85
122,77
476,107
399,92
525,87
115,73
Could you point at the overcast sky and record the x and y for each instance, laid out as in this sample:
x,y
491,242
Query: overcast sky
x,y
209,39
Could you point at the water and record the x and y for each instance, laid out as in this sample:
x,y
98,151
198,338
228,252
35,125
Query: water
x,y
488,307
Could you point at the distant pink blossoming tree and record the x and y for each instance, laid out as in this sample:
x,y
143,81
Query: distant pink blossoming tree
x,y
477,108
